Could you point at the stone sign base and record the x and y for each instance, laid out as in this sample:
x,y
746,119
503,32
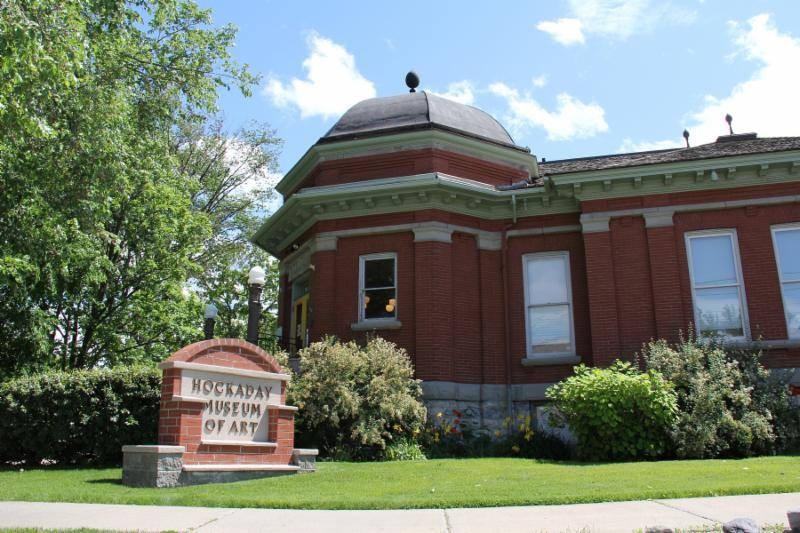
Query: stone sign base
x,y
162,466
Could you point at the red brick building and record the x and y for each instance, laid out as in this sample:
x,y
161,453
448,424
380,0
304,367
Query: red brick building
x,y
421,220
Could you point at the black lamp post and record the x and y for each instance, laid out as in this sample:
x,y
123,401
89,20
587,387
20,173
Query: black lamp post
x,y
255,280
210,315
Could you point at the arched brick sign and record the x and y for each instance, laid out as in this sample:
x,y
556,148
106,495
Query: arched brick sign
x,y
224,401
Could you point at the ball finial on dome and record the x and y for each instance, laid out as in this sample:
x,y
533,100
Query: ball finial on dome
x,y
412,81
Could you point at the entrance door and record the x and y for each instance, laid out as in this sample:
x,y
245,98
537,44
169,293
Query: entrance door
x,y
299,324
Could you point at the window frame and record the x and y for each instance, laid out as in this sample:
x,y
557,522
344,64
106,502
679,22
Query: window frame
x,y
562,254
773,230
362,260
737,265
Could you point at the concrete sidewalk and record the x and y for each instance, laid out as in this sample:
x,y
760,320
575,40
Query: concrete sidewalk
x,y
595,517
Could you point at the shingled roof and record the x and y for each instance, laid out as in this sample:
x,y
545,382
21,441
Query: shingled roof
x,y
728,145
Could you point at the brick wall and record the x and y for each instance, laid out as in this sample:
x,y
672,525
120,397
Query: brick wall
x,y
629,284
409,163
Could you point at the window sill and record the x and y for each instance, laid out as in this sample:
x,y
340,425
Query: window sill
x,y
763,344
377,323
551,360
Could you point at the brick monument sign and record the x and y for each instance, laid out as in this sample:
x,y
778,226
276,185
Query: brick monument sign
x,y
223,417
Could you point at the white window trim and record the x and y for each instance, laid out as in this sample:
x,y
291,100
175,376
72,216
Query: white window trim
x,y
775,229
528,333
362,259
728,232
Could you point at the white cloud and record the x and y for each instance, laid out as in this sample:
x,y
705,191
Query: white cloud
x,y
332,85
539,81
566,31
764,103
462,92
572,119
613,19
245,166
629,145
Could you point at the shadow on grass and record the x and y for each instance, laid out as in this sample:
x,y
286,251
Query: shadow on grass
x,y
105,481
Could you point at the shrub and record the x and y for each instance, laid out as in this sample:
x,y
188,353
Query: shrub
x,y
404,449
616,412
730,405
355,400
78,417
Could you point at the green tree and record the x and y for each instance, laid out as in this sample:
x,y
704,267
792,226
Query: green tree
x,y
99,227
233,176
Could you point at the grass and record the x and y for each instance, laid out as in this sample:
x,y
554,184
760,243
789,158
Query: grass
x,y
427,484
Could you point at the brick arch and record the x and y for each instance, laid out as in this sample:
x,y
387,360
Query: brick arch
x,y
236,353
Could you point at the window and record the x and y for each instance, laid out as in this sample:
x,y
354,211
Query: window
x,y
377,286
548,304
716,278
787,254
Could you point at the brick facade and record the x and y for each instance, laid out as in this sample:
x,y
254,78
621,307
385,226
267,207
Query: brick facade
x,y
460,226
629,283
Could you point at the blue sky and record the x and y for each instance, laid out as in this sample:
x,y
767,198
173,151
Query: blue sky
x,y
567,78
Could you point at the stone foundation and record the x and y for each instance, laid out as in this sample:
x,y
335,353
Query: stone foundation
x,y
162,466
305,459
152,466
484,407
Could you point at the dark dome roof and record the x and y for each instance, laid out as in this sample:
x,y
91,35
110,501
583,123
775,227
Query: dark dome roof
x,y
414,111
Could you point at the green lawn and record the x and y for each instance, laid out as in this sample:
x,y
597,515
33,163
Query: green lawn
x,y
436,483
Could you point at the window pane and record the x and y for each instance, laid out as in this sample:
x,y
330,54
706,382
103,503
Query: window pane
x,y
712,260
547,280
378,273
791,305
380,303
788,242
550,328
719,310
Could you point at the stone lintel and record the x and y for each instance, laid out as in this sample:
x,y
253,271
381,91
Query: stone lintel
x,y
659,218
489,241
325,242
433,232
595,223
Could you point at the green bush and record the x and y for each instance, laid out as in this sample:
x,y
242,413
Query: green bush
x,y
404,449
616,412
78,417
353,401
730,405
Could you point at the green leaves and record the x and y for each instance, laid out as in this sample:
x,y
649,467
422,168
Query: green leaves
x,y
100,233
729,403
617,412
356,400
88,414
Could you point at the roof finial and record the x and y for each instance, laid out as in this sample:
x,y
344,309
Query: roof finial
x,y
412,81
729,120
686,137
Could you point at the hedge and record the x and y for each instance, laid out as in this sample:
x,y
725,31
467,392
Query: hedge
x,y
78,417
